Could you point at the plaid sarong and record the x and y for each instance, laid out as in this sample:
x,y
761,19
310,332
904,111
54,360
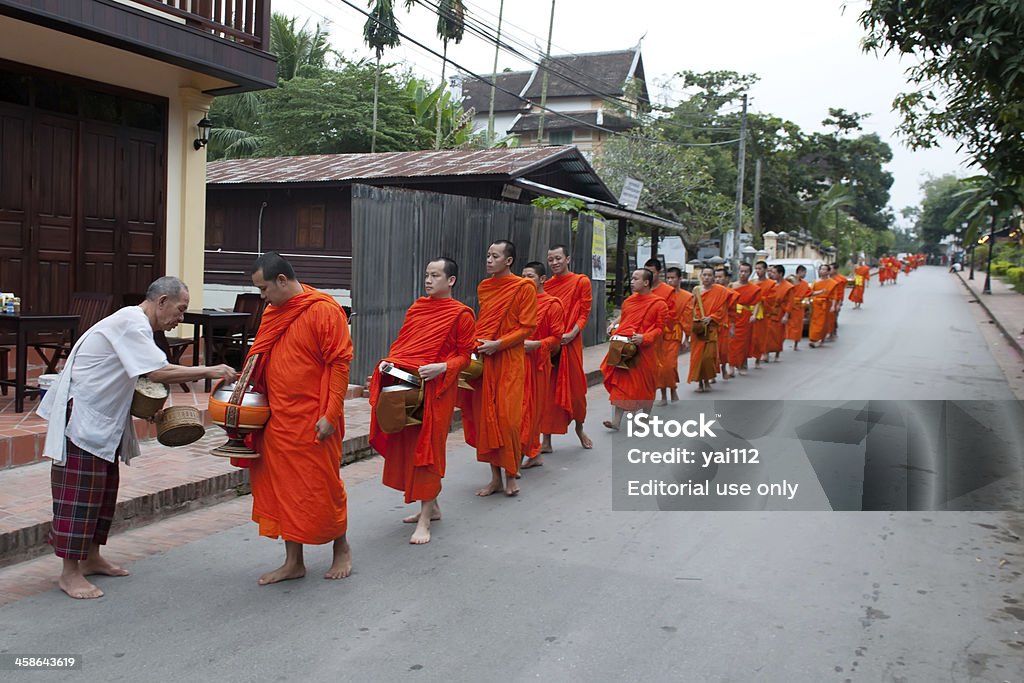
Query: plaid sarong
x,y
84,498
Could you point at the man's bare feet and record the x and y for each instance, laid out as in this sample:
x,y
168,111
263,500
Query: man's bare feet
x,y
100,565
422,534
511,487
341,566
582,436
545,446
78,587
532,462
675,396
609,425
286,572
661,403
434,517
490,489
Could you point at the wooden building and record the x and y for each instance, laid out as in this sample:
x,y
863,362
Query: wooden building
x,y
102,181
302,206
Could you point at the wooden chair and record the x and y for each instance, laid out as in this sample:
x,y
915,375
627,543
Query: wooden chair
x,y
90,307
232,346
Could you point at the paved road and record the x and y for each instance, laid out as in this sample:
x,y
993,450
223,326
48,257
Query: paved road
x,y
553,586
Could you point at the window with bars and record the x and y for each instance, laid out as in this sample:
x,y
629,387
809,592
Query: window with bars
x,y
309,227
560,137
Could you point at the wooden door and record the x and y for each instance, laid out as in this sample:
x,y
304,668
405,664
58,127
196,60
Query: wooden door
x,y
141,252
101,199
52,217
14,199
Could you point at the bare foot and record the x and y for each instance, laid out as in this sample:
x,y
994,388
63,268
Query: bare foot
x,y
341,567
78,587
545,447
675,396
661,403
100,565
609,425
491,488
286,572
413,519
421,535
532,462
584,439
511,487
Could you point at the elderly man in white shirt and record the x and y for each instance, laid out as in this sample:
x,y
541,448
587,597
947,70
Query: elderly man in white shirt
x,y
90,425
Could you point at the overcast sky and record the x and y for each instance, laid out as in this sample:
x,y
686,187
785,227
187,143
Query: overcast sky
x,y
806,52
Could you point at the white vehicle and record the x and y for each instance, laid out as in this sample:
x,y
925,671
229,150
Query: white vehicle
x,y
790,264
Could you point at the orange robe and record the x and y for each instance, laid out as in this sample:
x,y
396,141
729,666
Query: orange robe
x,y
742,346
837,294
569,381
537,388
305,350
821,302
759,333
861,275
671,339
795,326
780,297
434,331
634,389
704,353
493,411
725,335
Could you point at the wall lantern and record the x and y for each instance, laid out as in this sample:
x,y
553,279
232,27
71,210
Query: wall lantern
x,y
204,127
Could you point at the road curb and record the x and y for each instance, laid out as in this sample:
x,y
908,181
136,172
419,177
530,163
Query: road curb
x,y
1002,328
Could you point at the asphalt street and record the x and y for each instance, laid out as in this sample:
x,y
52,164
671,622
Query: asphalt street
x,y
554,586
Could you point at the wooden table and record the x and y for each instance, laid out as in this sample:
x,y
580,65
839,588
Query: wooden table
x,y
204,322
24,325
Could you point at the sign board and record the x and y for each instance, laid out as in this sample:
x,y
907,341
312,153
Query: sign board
x,y
631,190
598,253
511,191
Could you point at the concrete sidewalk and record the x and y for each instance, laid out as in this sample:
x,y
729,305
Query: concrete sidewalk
x,y
165,481
1005,306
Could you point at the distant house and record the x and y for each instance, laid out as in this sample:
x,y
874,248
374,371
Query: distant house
x,y
593,96
101,181
302,206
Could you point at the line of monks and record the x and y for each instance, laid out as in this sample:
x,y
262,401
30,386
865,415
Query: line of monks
x,y
527,341
724,325
889,267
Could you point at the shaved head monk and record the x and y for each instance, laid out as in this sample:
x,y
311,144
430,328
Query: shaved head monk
x,y
861,278
822,301
304,352
708,312
545,341
494,409
568,381
728,329
777,309
434,344
641,323
801,290
759,335
672,337
747,305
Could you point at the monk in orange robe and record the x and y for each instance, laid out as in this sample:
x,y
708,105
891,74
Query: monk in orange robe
x,y
781,296
861,276
642,321
304,352
667,376
492,413
801,290
838,293
544,341
822,301
434,344
569,381
709,308
747,304
759,334
728,330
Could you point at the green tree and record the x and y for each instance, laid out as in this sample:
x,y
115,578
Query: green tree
x,y
451,24
380,32
968,73
936,216
297,48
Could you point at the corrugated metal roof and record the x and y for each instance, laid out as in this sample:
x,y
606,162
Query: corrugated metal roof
x,y
346,167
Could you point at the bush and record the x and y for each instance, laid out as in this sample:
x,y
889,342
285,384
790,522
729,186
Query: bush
x,y
1016,277
1000,267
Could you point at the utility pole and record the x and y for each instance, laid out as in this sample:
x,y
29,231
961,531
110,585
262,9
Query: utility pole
x,y
740,167
757,197
494,77
545,63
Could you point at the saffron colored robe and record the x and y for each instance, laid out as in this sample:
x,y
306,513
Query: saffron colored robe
x,y
795,326
837,295
634,389
305,350
861,275
704,353
759,333
434,331
742,346
779,299
568,380
725,334
671,339
537,388
492,413
821,302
